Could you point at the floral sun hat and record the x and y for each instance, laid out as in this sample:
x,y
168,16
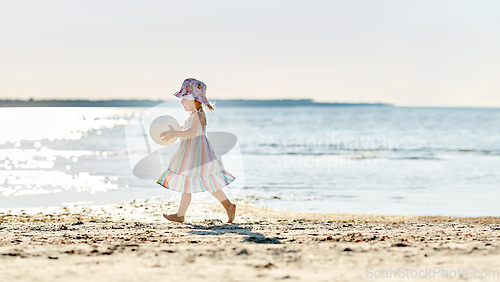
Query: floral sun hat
x,y
193,89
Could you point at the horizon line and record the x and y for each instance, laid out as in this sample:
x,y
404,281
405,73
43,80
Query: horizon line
x,y
310,102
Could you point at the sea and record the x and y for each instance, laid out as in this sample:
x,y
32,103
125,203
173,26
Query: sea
x,y
329,159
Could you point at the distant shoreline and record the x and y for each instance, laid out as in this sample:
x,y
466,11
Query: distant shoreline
x,y
152,103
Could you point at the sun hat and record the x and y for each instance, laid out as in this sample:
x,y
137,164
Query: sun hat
x,y
193,89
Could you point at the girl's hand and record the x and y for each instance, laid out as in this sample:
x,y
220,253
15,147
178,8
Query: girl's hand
x,y
167,135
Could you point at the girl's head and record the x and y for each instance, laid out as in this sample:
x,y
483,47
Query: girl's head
x,y
190,105
193,95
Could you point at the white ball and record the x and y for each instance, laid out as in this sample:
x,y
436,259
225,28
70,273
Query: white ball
x,y
161,124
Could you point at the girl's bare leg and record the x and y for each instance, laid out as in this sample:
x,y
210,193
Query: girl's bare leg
x,y
230,207
183,206
185,201
220,195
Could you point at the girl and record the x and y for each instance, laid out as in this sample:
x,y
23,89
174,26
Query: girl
x,y
195,167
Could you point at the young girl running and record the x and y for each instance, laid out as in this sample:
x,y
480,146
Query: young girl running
x,y
194,167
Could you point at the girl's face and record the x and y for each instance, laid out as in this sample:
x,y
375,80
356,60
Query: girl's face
x,y
189,105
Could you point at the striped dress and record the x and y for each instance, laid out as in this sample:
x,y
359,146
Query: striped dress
x,y
194,167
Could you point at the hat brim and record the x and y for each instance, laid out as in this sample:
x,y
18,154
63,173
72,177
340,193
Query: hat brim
x,y
186,97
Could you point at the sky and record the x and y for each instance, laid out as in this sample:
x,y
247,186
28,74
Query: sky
x,y
407,53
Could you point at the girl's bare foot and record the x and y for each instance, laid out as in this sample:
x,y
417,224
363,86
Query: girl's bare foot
x,y
174,217
231,213
230,209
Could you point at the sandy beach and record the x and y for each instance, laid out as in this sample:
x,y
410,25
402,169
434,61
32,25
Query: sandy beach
x,y
132,242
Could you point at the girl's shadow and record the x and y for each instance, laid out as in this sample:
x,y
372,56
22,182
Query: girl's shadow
x,y
236,228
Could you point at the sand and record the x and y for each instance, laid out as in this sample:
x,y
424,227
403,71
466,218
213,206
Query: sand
x,y
132,242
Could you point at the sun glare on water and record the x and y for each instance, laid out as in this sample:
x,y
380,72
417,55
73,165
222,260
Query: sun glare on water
x,y
41,150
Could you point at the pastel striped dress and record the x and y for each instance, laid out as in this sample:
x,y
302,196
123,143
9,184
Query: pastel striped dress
x,y
194,167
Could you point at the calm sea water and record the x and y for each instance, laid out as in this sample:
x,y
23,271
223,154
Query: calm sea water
x,y
391,160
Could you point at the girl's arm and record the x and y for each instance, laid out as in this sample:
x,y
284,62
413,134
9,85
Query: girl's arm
x,y
183,133
190,132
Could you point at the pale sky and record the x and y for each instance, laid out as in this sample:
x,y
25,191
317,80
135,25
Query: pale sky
x,y
403,52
